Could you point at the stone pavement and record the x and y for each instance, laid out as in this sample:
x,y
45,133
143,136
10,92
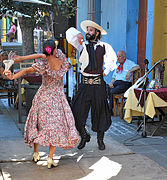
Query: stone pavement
x,y
117,162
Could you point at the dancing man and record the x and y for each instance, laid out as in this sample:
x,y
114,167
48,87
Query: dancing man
x,y
92,89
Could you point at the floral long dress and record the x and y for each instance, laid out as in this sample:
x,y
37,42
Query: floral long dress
x,y
50,120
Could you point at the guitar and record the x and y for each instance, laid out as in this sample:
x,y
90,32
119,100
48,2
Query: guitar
x,y
141,80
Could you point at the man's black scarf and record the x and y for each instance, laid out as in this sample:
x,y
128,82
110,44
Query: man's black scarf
x,y
92,56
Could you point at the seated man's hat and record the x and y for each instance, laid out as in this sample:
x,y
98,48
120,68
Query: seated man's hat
x,y
86,23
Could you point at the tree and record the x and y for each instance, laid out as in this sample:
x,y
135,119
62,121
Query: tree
x,y
35,11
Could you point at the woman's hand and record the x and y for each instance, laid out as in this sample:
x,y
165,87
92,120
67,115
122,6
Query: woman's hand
x,y
8,74
127,76
17,58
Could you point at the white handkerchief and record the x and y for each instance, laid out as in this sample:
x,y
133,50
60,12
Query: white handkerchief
x,y
8,64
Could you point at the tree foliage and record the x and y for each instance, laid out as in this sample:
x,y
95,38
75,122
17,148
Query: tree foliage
x,y
65,8
35,12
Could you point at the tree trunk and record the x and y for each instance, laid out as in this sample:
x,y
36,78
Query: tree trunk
x,y
27,27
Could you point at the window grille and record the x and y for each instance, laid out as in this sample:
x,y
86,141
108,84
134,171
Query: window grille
x,y
91,13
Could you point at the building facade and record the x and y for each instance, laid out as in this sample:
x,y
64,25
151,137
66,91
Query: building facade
x,y
139,27
5,27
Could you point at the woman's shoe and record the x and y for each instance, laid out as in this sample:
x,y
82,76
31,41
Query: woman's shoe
x,y
35,157
51,163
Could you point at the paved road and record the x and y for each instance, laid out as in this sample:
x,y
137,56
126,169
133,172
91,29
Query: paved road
x,y
127,155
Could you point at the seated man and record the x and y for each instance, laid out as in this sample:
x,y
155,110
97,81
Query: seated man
x,y
121,79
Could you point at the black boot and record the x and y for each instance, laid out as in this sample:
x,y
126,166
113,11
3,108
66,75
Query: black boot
x,y
100,136
85,137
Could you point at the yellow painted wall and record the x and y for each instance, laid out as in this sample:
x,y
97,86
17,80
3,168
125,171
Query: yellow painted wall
x,y
71,53
3,39
159,50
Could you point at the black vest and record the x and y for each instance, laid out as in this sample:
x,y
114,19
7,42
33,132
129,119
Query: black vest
x,y
99,53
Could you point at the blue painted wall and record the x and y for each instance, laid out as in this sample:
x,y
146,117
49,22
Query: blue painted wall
x,y
132,29
81,12
113,20
122,16
120,19
149,39
8,24
98,10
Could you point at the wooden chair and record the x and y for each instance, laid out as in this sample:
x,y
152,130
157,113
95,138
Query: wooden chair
x,y
8,90
119,99
7,87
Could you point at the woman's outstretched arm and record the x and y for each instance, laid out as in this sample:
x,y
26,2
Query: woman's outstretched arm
x,y
19,74
18,59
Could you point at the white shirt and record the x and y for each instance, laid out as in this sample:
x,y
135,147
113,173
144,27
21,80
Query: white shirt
x,y
126,67
110,56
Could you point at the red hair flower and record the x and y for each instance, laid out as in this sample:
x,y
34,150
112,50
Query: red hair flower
x,y
48,49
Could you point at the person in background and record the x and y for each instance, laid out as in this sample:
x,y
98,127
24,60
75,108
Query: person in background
x,y
92,89
50,121
3,56
121,78
11,34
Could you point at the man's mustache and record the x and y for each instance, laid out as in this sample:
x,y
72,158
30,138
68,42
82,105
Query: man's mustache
x,y
88,34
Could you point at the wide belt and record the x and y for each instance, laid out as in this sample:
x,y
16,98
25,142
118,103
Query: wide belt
x,y
91,80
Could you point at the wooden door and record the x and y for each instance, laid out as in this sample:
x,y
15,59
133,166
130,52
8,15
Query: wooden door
x,y
142,29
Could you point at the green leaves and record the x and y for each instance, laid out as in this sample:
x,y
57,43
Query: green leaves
x,y
65,8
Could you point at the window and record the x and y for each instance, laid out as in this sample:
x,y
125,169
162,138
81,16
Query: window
x,y
91,13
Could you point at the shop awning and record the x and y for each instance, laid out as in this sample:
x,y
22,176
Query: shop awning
x,y
34,1
9,13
